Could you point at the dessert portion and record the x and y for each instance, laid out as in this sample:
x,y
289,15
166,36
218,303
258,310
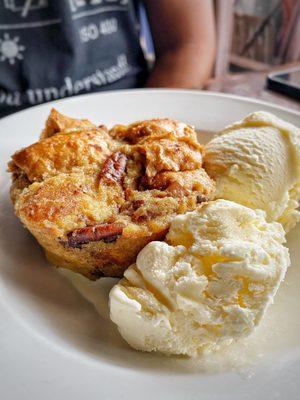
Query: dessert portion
x,y
256,162
210,282
94,197
204,262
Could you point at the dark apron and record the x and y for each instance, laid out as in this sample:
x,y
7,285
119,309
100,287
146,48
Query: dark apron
x,y
50,49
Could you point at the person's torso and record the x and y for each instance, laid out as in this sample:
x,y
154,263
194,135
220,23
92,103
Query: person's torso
x,y
54,49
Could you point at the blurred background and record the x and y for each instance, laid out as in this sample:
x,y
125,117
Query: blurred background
x,y
257,34
50,49
255,38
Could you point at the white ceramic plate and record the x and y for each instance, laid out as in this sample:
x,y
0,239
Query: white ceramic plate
x,y
53,345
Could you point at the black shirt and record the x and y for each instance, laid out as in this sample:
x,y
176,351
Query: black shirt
x,y
51,49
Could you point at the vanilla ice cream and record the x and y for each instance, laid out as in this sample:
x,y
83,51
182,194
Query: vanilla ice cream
x,y
256,162
210,283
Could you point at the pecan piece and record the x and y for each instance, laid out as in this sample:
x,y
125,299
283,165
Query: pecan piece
x,y
201,198
114,168
106,232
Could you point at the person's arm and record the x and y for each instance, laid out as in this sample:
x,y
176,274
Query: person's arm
x,y
184,38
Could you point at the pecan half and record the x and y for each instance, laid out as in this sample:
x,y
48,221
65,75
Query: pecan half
x,y
114,168
106,232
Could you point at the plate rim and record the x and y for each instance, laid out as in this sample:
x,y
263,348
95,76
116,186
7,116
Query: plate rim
x,y
79,365
71,99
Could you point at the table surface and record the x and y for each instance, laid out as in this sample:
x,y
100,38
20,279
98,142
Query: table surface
x,y
253,84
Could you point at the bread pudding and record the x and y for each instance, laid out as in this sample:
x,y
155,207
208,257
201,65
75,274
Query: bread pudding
x,y
94,197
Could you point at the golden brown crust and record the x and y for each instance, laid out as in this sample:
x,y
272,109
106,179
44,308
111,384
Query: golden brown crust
x,y
165,154
57,122
140,130
93,199
63,153
182,183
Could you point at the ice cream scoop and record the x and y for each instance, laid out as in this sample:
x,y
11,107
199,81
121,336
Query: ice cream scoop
x,y
208,284
256,162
